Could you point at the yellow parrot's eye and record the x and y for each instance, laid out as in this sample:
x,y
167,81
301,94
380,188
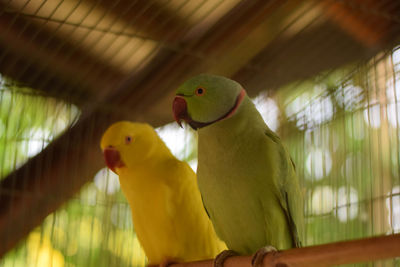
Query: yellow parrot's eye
x,y
200,91
128,140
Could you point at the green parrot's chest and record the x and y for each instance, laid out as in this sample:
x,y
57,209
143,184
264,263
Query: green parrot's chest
x,y
244,211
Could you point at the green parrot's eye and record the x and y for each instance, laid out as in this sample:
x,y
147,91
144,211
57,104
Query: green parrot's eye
x,y
200,91
128,140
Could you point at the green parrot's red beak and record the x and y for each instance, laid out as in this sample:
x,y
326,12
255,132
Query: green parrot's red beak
x,y
179,108
112,158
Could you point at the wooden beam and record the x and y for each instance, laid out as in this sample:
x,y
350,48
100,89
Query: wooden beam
x,y
212,54
234,50
155,20
301,56
45,182
346,252
320,46
32,54
367,21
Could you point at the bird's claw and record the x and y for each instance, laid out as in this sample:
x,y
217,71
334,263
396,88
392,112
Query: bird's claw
x,y
258,258
221,257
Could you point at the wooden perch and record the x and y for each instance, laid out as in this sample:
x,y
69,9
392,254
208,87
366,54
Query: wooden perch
x,y
346,252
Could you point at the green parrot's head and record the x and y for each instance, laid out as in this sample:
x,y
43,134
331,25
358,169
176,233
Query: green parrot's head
x,y
205,99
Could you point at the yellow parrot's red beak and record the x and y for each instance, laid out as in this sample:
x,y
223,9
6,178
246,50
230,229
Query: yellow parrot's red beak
x,y
112,158
179,108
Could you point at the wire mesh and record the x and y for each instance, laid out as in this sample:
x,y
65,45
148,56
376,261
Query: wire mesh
x,y
340,121
342,130
29,122
95,227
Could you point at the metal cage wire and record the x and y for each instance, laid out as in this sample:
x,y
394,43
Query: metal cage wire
x,y
330,87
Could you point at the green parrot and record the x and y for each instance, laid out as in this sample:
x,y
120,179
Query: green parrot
x,y
245,175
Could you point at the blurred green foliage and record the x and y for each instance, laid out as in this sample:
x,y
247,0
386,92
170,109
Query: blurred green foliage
x,y
28,122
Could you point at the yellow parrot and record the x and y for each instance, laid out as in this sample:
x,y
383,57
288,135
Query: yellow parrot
x,y
167,210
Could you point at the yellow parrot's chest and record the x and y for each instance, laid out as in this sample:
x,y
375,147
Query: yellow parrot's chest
x,y
152,215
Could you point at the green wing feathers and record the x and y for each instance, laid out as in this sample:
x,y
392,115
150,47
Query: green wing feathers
x,y
291,198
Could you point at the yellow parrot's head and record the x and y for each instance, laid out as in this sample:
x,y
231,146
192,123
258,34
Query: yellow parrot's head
x,y
126,144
